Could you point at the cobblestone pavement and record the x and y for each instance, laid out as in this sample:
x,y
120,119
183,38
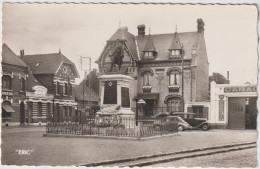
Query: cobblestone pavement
x,y
236,159
27,146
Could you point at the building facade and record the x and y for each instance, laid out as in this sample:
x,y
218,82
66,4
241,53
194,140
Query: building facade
x,y
170,71
51,93
15,73
233,106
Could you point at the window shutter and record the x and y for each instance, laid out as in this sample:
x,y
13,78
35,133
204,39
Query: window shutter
x,y
205,112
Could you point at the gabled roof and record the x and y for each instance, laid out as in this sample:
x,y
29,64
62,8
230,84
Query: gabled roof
x,y
149,46
175,42
129,39
162,42
32,81
9,57
47,63
90,94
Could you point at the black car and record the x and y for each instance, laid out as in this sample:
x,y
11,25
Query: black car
x,y
195,123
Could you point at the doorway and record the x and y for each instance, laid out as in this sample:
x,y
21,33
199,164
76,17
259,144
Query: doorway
x,y
251,113
236,113
148,108
22,113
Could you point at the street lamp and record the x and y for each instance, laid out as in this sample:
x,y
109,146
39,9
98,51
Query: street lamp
x,y
140,102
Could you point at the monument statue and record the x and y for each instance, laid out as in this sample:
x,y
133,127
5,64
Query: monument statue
x,y
117,55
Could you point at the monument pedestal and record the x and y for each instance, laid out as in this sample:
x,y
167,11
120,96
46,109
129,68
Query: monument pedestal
x,y
115,89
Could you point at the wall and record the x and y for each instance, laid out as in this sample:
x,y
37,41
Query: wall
x,y
202,71
218,96
15,95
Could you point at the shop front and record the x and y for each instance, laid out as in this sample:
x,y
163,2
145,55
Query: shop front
x,y
233,106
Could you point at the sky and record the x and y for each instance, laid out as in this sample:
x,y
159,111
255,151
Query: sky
x,y
83,29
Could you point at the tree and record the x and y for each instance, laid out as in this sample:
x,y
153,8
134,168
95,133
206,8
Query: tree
x,y
94,82
218,78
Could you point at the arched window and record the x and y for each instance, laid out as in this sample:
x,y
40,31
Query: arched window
x,y
174,104
7,82
174,78
147,78
22,84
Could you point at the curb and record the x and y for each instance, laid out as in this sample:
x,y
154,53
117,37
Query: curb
x,y
188,156
162,154
110,137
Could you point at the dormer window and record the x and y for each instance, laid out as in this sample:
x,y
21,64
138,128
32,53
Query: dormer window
x,y
149,50
175,52
148,54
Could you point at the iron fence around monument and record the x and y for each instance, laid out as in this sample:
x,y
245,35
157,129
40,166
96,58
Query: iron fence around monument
x,y
111,126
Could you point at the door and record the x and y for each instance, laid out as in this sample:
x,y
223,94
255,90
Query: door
x,y
251,113
148,108
236,112
22,113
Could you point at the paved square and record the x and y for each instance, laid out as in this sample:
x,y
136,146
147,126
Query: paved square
x,y
27,146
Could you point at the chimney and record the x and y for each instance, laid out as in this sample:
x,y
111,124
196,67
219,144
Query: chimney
x,y
22,52
201,25
228,81
141,30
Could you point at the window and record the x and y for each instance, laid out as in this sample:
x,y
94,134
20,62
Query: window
x,y
70,111
57,111
174,77
70,89
48,109
148,54
65,89
147,78
65,111
39,109
22,84
174,104
58,88
7,82
175,52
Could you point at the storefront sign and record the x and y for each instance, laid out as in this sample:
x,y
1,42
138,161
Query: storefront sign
x,y
240,89
7,93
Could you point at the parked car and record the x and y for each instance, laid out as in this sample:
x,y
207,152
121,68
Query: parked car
x,y
163,122
195,123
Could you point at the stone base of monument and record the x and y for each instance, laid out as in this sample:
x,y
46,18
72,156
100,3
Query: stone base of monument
x,y
126,112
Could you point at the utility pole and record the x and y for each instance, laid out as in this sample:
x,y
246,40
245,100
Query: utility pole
x,y
182,80
85,68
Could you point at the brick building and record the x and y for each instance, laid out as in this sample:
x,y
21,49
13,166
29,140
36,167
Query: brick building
x,y
89,104
15,73
170,70
51,91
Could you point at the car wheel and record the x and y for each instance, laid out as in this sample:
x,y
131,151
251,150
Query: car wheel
x,y
205,127
180,128
157,127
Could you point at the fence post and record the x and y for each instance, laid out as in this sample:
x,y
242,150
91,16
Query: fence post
x,y
81,123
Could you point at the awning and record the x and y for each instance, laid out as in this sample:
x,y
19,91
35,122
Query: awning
x,y
8,108
147,96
